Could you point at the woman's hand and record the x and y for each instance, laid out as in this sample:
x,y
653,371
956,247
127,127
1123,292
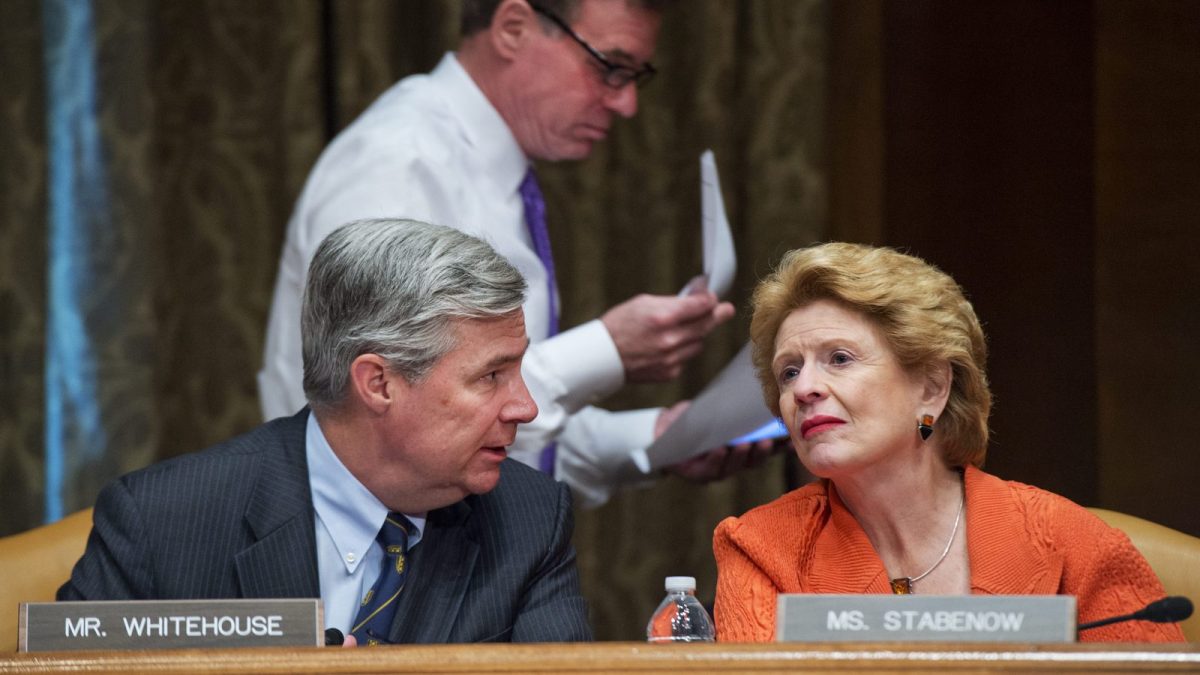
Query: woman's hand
x,y
725,461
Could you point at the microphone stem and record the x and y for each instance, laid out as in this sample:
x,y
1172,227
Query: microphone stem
x,y
1105,622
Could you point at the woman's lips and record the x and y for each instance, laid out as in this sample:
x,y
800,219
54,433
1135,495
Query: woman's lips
x,y
818,424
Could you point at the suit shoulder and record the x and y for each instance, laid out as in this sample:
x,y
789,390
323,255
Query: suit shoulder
x,y
1049,509
230,460
797,506
796,517
517,478
1053,521
524,499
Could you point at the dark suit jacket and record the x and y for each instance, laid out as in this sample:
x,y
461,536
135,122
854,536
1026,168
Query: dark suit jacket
x,y
236,521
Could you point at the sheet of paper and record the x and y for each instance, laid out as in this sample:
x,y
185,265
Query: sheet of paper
x,y
730,406
720,259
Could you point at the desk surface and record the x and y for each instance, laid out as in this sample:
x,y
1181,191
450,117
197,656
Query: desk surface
x,y
628,657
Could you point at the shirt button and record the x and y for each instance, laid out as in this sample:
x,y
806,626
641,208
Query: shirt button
x,y
350,557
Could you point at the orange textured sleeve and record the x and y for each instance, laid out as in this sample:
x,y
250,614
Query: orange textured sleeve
x,y
1118,582
744,609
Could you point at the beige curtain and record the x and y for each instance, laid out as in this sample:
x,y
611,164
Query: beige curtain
x,y
212,114
22,265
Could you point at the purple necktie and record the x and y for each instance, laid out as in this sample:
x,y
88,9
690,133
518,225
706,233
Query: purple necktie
x,y
535,219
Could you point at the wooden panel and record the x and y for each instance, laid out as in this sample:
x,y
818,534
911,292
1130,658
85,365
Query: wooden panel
x,y
1047,155
988,174
1148,258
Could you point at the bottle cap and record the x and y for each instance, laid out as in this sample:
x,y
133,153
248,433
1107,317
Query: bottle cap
x,y
681,583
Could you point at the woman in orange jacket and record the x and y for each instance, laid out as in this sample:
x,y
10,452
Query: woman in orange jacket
x,y
875,362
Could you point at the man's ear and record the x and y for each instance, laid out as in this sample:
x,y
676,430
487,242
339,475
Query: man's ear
x,y
373,384
512,25
938,378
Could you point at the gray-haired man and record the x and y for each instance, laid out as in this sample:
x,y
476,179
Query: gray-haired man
x,y
413,336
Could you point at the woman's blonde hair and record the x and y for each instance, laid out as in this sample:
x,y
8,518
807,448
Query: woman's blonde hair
x,y
920,310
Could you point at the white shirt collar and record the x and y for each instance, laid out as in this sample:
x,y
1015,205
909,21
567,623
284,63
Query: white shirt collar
x,y
496,149
351,514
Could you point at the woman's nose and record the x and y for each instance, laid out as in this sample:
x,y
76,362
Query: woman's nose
x,y
808,386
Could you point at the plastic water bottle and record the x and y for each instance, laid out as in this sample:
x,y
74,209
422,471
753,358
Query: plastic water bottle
x,y
680,617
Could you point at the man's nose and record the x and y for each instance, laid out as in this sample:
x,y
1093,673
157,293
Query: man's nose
x,y
520,408
623,101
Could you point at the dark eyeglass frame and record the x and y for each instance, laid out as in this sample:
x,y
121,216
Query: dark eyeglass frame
x,y
613,75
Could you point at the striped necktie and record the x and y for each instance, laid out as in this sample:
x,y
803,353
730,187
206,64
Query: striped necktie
x,y
378,609
535,219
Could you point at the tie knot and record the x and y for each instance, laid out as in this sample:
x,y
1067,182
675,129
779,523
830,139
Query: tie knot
x,y
394,533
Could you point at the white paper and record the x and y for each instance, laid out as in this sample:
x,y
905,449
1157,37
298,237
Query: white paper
x,y
720,259
730,406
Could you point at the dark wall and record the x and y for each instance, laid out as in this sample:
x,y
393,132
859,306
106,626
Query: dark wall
x,y
1148,257
1032,150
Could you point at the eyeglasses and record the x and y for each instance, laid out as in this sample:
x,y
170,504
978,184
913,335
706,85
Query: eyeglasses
x,y
614,75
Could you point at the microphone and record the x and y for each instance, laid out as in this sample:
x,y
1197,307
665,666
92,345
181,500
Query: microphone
x,y
334,637
1170,609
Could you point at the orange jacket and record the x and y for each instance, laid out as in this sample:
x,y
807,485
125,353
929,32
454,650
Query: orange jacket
x,y
1020,540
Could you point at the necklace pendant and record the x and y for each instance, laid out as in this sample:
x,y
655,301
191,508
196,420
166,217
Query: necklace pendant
x,y
902,586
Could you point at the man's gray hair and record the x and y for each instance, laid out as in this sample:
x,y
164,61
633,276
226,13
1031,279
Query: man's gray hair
x,y
396,288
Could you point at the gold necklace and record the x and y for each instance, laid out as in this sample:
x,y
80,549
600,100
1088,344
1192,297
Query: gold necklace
x,y
903,585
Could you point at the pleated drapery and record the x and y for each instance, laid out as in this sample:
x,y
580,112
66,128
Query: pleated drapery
x,y
150,153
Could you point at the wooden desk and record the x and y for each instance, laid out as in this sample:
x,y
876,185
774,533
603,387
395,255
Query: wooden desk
x,y
627,657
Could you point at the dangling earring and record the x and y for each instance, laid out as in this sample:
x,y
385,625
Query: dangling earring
x,y
925,427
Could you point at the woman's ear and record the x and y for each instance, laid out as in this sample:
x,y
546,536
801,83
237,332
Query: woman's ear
x,y
938,378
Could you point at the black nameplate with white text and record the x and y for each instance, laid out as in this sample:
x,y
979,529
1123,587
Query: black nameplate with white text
x,y
926,618
169,624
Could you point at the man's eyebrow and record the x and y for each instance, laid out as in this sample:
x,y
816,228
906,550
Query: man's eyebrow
x,y
622,58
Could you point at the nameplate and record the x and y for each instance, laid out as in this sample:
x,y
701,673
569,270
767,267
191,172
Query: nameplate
x,y
926,618
169,624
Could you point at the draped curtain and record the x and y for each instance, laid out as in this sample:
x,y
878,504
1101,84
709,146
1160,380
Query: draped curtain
x,y
150,153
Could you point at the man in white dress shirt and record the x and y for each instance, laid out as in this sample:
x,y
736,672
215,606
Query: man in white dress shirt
x,y
532,80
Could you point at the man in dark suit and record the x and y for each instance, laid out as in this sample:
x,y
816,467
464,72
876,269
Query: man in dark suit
x,y
392,499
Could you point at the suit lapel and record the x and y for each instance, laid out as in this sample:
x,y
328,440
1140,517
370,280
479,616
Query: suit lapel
x,y
282,561
442,565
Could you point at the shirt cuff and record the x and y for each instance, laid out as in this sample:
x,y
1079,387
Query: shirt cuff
x,y
585,362
599,452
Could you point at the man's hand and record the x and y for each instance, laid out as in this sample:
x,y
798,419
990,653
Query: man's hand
x,y
668,416
656,334
719,462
